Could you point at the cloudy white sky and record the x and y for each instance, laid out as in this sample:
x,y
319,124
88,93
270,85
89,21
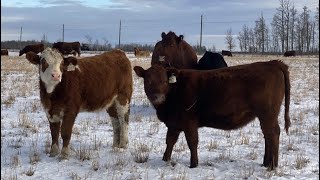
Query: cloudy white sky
x,y
142,20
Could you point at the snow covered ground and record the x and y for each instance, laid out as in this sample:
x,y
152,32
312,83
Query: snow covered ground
x,y
238,154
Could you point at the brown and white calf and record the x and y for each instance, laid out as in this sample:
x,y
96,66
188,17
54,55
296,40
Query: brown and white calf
x,y
226,98
70,85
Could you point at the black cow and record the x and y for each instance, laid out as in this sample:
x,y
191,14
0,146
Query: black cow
x,y
67,48
85,47
289,53
36,48
211,60
4,52
226,53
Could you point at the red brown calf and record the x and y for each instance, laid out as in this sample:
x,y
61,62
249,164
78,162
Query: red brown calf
x,y
70,85
226,98
173,51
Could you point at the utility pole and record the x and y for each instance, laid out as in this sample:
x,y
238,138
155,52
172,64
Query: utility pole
x,y
201,33
62,32
119,33
20,38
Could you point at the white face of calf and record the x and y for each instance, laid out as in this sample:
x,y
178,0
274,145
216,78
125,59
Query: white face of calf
x,y
50,68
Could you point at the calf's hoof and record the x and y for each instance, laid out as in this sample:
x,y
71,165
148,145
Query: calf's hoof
x,y
117,145
193,165
164,158
123,145
64,153
270,166
54,151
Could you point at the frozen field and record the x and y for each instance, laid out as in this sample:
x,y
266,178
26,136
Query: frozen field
x,y
238,154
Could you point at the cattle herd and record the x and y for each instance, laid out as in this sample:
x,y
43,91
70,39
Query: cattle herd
x,y
186,93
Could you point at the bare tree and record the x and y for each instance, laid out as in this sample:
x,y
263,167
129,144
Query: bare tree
x,y
292,22
230,41
89,40
303,30
246,34
312,35
44,40
243,38
286,23
252,41
214,49
299,34
261,33
241,41
316,17
96,45
275,43
316,37
281,20
107,46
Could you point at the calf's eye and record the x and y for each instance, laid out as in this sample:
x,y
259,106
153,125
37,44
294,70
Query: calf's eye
x,y
44,65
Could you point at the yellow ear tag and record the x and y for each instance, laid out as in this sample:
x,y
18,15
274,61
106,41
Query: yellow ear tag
x,y
172,79
161,58
71,67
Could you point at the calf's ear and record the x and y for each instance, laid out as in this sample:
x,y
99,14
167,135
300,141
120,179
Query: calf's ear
x,y
33,58
179,39
139,71
163,34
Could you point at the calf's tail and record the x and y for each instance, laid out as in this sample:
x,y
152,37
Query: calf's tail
x,y
285,71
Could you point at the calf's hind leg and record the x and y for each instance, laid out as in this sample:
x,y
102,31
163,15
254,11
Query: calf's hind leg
x,y
112,111
271,135
119,113
123,111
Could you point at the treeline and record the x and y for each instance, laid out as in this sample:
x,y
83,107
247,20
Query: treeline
x,y
13,44
89,47
289,30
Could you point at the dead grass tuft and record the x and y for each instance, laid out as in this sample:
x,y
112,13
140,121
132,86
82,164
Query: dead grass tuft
x,y
301,161
212,145
30,171
141,153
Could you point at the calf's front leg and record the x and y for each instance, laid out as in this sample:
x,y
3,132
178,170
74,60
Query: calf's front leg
x,y
66,131
55,131
171,139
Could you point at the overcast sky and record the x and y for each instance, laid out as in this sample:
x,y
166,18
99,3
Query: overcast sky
x,y
142,20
